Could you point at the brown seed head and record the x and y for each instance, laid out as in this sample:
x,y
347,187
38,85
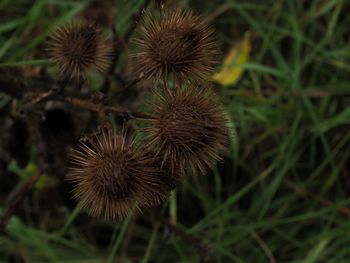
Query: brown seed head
x,y
78,48
111,176
179,44
190,129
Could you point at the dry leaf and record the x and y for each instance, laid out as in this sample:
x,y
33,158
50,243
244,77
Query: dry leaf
x,y
232,70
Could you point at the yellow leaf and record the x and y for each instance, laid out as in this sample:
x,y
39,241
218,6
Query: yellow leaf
x,y
231,70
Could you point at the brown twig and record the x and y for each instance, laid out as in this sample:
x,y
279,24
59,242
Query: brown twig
x,y
17,199
264,247
203,250
42,96
126,87
85,104
150,245
302,192
120,78
55,90
10,86
136,18
100,108
313,94
107,81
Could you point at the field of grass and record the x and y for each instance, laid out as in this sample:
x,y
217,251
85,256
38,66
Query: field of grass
x,y
282,194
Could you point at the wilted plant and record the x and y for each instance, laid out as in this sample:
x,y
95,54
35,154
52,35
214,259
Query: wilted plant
x,y
186,129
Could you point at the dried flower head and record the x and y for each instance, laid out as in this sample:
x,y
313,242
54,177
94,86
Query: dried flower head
x,y
112,176
78,48
189,129
179,44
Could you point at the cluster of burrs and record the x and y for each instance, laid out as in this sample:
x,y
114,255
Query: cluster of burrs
x,y
114,173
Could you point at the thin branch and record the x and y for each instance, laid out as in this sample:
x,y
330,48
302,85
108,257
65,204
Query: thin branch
x,y
203,250
264,247
136,18
100,108
107,81
85,104
42,96
126,87
151,242
302,192
120,78
57,89
17,199
11,87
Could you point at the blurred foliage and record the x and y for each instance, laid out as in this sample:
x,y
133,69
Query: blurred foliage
x,y
281,195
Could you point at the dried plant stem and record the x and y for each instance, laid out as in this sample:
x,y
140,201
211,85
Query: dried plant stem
x,y
41,97
151,242
107,81
126,87
12,88
17,199
132,83
56,90
117,51
264,247
302,192
85,104
203,250
136,20
120,78
100,108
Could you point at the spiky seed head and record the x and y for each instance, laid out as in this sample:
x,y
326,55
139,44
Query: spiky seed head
x,y
189,130
78,48
179,44
112,177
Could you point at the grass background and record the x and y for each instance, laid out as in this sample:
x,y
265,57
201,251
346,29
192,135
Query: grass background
x,y
283,193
